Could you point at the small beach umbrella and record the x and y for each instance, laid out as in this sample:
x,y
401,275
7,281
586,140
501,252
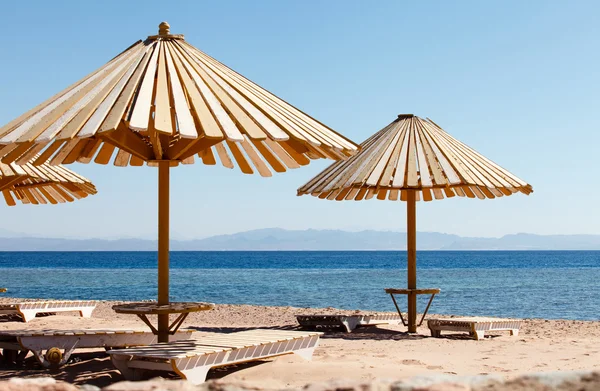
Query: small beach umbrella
x,y
162,101
42,184
413,159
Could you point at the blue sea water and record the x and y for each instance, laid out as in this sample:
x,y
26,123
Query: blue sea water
x,y
527,284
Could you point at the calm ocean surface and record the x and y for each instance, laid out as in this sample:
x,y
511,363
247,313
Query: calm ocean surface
x,y
529,284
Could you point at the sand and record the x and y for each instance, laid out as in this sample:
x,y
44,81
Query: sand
x,y
383,352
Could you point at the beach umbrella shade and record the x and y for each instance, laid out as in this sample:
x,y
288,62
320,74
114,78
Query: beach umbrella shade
x,y
162,101
409,160
42,184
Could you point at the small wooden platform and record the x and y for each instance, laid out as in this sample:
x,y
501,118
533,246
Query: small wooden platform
x,y
346,322
142,310
29,309
476,327
193,359
54,347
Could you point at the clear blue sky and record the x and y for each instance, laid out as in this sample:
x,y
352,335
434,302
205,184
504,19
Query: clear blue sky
x,y
516,80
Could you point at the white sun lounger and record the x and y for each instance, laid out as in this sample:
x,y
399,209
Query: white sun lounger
x,y
193,359
54,347
29,309
348,322
476,327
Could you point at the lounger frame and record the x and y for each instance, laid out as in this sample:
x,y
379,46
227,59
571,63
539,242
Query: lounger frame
x,y
17,344
193,359
476,327
29,309
346,322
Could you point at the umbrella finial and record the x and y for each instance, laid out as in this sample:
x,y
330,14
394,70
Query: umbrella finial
x,y
164,28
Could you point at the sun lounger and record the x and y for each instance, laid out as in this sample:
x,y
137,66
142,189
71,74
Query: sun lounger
x,y
347,322
29,309
476,327
54,347
193,359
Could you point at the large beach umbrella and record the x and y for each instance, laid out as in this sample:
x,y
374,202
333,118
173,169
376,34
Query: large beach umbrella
x,y
413,159
162,101
42,184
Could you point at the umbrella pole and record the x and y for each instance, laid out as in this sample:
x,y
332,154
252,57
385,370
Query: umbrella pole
x,y
411,219
163,247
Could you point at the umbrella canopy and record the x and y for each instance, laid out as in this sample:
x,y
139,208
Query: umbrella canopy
x,y
413,159
162,102
163,99
42,184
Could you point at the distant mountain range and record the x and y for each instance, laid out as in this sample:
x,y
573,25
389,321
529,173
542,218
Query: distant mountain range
x,y
281,239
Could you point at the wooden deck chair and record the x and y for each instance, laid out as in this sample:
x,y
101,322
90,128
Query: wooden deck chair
x,y
54,347
192,359
345,322
476,327
29,309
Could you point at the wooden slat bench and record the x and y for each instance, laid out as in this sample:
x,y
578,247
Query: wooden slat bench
x,y
346,322
54,347
476,327
192,359
29,309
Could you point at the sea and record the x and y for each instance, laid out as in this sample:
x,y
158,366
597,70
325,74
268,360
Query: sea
x,y
524,284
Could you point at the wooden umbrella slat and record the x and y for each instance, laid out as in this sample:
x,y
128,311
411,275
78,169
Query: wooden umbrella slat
x,y
412,179
105,153
400,175
185,121
122,158
281,153
424,173
10,201
89,151
162,104
239,158
288,146
207,157
135,161
140,115
262,168
268,155
223,156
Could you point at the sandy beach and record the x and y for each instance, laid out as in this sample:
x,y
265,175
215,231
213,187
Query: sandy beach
x,y
383,352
